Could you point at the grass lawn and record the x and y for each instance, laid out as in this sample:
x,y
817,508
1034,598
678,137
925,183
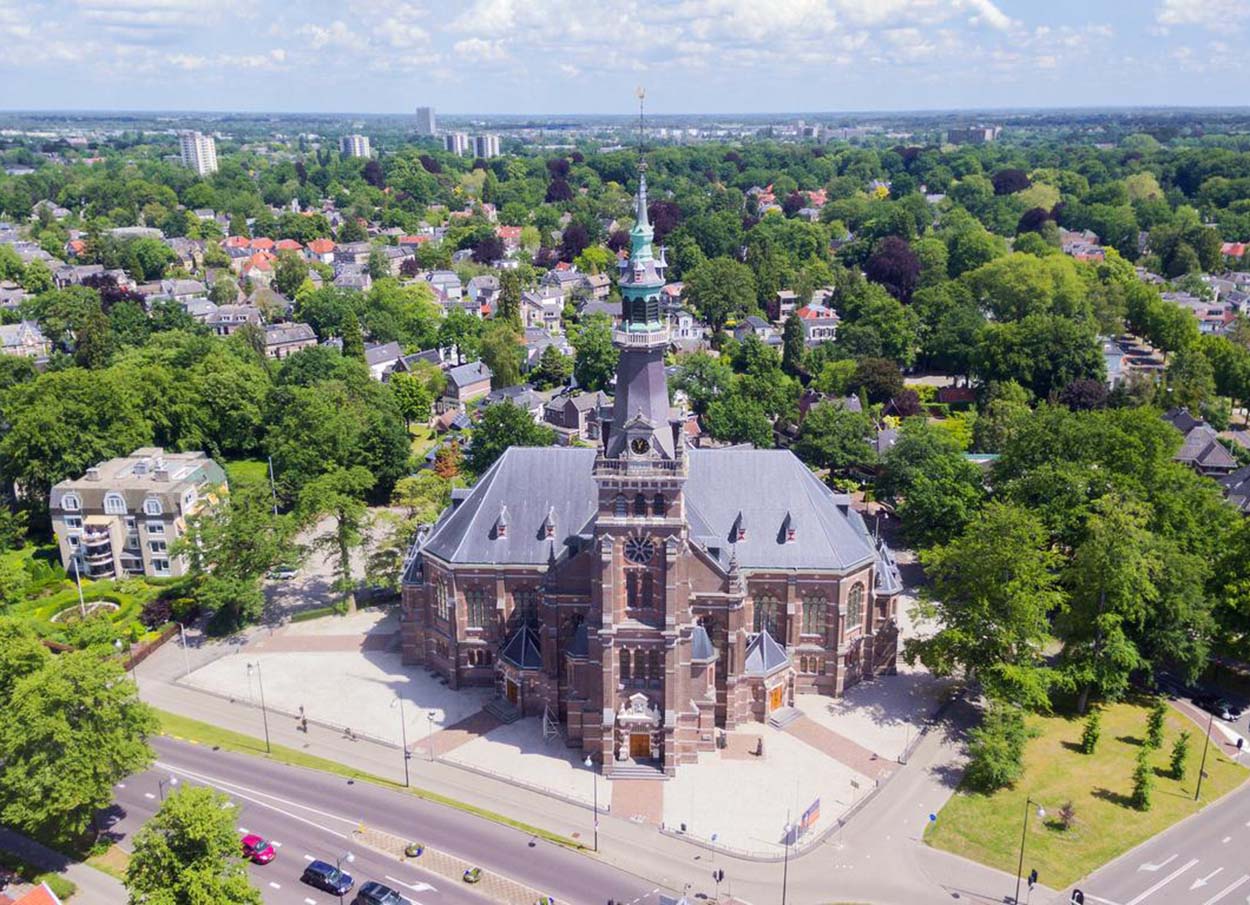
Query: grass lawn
x,y
246,471
423,438
112,862
187,729
987,828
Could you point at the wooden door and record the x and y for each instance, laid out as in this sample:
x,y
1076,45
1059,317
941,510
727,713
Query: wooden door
x,y
513,692
640,745
775,698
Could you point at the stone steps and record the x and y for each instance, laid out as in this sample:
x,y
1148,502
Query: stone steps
x,y
631,770
502,710
784,716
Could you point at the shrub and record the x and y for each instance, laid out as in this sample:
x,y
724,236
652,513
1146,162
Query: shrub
x,y
1154,724
1067,815
1143,781
1180,755
61,887
996,749
156,613
1091,733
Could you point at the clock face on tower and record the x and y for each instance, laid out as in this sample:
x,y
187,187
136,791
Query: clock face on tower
x,y
640,446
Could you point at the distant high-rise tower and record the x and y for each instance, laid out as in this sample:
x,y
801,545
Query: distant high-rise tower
x,y
199,152
456,143
425,121
486,146
354,145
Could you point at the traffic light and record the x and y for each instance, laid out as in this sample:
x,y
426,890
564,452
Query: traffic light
x,y
1032,878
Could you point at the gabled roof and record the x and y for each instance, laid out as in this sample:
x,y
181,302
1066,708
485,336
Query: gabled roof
x,y
764,656
701,649
463,375
523,650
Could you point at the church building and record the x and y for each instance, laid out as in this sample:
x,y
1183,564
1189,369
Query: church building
x,y
645,594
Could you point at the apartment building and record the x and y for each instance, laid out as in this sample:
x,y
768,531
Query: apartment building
x,y
122,516
486,146
425,121
199,152
457,143
354,146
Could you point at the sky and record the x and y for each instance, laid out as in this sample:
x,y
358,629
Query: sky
x,y
587,56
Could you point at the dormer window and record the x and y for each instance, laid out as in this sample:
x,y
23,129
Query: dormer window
x,y
152,506
501,523
115,504
71,503
789,528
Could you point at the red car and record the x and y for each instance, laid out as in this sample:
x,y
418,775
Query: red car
x,y
258,849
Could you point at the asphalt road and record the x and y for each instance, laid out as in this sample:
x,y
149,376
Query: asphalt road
x,y
1203,860
309,815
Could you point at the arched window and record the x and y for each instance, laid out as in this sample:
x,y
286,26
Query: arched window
x,y
638,589
621,506
658,504
152,506
768,615
815,615
855,607
479,606
655,672
115,504
640,505
525,606
625,661
71,503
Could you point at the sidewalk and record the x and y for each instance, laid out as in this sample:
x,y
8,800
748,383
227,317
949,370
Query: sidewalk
x,y
94,887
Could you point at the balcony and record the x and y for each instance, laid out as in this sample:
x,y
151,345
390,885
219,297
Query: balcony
x,y
651,339
640,467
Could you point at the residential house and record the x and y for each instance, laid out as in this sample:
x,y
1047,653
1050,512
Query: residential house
x,y
350,276
284,340
321,250
229,318
483,291
382,358
575,416
446,285
597,286
74,274
122,516
543,307
24,339
782,305
686,332
1236,486
566,280
1201,449
1114,358
820,324
258,268
537,340
522,396
511,236
466,383
182,291
753,325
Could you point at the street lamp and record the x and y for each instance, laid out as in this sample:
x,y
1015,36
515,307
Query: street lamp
x,y
338,866
186,659
160,785
403,734
117,643
785,865
264,714
1024,832
429,735
590,765
1206,743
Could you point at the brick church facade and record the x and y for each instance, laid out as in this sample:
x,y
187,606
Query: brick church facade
x,y
645,594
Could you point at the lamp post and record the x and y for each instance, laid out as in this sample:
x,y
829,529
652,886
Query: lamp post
x,y
1024,832
338,866
429,735
785,864
160,785
590,765
403,734
117,643
186,659
1206,743
82,604
264,714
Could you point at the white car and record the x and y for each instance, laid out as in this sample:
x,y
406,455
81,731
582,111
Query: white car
x,y
282,573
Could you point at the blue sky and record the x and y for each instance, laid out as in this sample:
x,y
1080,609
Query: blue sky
x,y
586,56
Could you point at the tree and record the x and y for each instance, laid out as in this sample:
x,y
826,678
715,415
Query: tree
x,y
225,291
1154,724
72,729
289,273
703,378
877,378
379,265
721,290
992,590
463,332
147,259
22,653
1009,181
554,369
447,460
738,418
1111,586
1143,781
895,266
793,346
936,490
353,339
502,426
1092,732
996,749
339,494
502,352
834,437
412,397
594,363
1190,378
188,853
509,307
1180,755
1084,394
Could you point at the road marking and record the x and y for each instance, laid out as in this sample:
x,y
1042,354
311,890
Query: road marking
x,y
415,887
1202,881
1159,866
310,902
273,885
1164,882
121,785
1094,898
148,795
226,784
309,858
1226,890
243,830
1226,839
275,843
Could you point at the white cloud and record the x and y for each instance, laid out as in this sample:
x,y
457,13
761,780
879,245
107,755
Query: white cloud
x,y
1213,14
986,13
337,35
480,51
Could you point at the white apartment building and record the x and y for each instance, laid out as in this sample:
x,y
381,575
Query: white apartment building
x,y
354,146
486,146
457,143
425,121
121,517
199,152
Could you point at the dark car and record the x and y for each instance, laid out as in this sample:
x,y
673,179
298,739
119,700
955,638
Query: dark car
x,y
1218,706
374,893
327,878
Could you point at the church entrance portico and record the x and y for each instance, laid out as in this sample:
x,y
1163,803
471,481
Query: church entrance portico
x,y
639,729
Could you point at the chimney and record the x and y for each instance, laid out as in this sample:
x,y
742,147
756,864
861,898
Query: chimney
x,y
93,473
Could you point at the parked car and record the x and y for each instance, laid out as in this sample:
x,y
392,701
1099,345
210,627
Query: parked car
x,y
258,849
327,878
1218,706
282,573
374,893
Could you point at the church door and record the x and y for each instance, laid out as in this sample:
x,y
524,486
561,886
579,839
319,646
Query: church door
x,y
640,745
513,692
775,698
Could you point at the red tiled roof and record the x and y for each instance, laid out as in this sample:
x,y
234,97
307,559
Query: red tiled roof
x,y
77,246
40,895
288,245
264,243
237,242
508,232
563,265
1233,249
413,240
817,198
321,246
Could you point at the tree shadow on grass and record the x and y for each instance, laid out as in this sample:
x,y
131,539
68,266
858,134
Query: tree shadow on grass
x,y
1123,801
1130,740
1074,747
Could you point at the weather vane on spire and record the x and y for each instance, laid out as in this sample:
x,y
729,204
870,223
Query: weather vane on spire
x,y
641,94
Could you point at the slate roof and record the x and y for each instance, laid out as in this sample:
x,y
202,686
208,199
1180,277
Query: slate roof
x,y
1203,449
278,334
463,375
764,656
380,353
522,650
701,649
